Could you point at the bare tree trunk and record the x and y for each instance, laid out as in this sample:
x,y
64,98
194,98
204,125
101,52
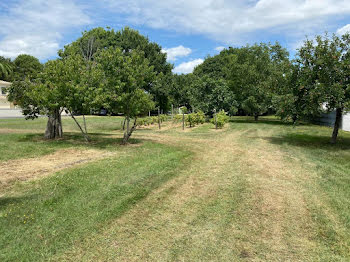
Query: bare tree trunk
x,y
128,131
81,129
54,125
337,123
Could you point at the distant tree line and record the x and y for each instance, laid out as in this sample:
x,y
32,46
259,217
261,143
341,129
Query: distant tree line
x,y
124,73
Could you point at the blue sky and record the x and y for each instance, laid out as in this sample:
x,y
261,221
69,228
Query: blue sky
x,y
188,30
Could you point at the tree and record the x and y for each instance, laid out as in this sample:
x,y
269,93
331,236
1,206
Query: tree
x,y
213,94
254,72
123,78
61,86
26,67
6,68
126,40
325,65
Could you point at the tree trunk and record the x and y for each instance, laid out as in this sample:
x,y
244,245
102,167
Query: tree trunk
x,y
256,117
81,129
85,124
124,123
54,125
128,131
337,123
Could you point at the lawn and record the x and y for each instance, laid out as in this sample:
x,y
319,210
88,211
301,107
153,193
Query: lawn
x,y
253,191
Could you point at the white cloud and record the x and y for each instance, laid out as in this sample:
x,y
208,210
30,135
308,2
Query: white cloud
x,y
219,48
187,67
175,52
233,21
35,27
343,30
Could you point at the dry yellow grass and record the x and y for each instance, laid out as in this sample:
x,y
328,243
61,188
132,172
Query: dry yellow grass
x,y
180,220
13,171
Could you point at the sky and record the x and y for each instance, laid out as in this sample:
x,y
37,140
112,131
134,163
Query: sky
x,y
187,30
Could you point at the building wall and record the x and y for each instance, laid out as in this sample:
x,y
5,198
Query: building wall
x,y
329,119
346,122
4,103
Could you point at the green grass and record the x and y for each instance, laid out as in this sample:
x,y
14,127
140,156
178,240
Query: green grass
x,y
15,145
50,215
253,191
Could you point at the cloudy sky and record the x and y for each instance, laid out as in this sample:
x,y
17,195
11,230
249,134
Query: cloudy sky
x,y
188,30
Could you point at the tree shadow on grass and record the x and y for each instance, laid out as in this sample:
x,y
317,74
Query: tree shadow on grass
x,y
97,140
311,141
7,201
265,121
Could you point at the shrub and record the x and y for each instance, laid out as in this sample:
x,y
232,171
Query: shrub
x,y
190,120
150,120
195,118
199,117
177,118
221,119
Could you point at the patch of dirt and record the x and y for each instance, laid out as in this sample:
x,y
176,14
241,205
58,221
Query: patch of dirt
x,y
33,168
18,131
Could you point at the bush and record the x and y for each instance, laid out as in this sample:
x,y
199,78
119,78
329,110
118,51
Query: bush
x,y
190,120
199,117
150,120
221,119
177,118
195,118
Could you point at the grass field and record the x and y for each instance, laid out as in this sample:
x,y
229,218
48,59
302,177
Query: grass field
x,y
253,191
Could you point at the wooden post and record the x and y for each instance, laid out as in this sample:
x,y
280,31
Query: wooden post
x,y
216,120
172,112
149,113
183,120
158,117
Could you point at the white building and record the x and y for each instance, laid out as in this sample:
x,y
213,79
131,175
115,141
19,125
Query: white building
x,y
328,119
4,103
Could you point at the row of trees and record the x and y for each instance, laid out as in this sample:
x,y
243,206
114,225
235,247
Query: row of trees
x,y
118,71
123,72
261,79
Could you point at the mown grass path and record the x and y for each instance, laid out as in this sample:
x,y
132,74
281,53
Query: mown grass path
x,y
242,197
251,192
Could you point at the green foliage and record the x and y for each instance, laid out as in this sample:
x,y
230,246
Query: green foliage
x,y
6,69
323,68
194,119
146,121
26,67
122,78
128,41
254,73
178,118
221,119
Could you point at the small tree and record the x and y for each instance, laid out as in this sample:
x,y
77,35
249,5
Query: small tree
x,y
122,80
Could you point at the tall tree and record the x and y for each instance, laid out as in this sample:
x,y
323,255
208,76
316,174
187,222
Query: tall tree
x,y
254,72
26,67
325,63
212,94
123,78
126,40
